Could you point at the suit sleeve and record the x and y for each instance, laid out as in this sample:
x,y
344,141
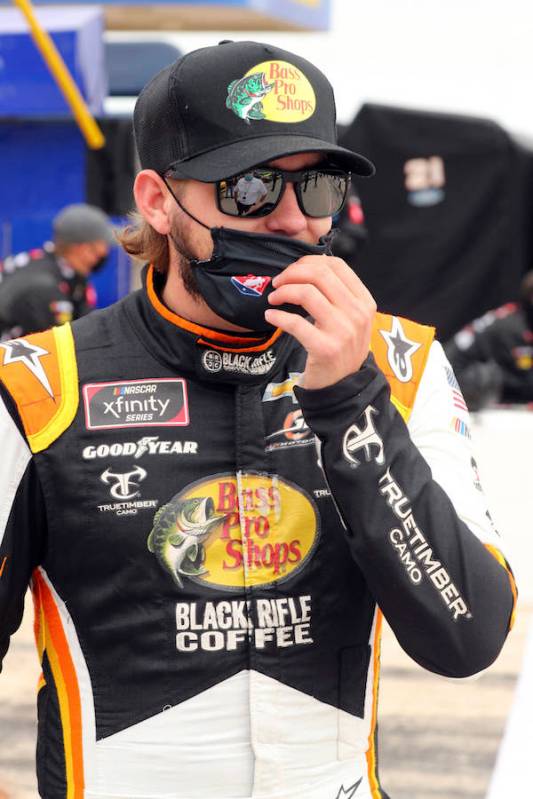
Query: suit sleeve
x,y
21,524
414,521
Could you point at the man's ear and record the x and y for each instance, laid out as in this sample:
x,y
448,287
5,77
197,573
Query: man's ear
x,y
152,199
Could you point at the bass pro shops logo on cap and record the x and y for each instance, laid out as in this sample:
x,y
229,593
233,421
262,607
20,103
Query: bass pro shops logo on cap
x,y
272,90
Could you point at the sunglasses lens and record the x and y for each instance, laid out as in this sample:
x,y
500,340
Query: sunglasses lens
x,y
256,193
323,193
250,194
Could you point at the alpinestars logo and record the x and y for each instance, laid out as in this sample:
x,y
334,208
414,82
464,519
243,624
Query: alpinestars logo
x,y
348,793
250,285
20,351
400,351
364,438
125,486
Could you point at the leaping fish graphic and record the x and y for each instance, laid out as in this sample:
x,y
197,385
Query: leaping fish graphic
x,y
176,539
245,95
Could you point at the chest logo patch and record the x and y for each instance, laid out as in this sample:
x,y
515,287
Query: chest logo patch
x,y
20,351
400,351
364,438
232,531
136,403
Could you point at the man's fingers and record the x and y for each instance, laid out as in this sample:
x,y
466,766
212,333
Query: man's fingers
x,y
331,276
308,297
303,331
342,310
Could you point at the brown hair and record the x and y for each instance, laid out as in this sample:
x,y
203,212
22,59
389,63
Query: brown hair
x,y
141,241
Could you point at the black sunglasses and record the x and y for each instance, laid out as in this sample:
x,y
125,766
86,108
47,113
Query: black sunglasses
x,y
320,191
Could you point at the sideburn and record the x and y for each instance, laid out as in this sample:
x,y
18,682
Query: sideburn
x,y
184,264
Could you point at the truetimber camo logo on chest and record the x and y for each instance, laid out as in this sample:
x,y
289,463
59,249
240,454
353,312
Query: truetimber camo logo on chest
x,y
273,90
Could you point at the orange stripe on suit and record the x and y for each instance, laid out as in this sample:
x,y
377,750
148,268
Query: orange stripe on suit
x,y
371,751
52,636
501,560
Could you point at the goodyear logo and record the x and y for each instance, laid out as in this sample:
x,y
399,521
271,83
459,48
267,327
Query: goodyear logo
x,y
230,531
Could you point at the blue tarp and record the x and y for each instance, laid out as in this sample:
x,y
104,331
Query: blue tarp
x,y
27,89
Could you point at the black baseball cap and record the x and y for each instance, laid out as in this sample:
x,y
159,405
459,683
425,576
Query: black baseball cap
x,y
220,110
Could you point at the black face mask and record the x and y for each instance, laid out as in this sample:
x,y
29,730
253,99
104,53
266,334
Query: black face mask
x,y
237,280
100,263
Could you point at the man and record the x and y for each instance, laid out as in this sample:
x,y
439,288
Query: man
x,y
50,286
248,192
493,355
207,581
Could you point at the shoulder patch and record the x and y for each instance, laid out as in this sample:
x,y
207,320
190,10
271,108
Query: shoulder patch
x,y
401,348
40,373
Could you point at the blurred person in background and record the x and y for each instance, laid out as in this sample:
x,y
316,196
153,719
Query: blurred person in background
x,y
50,286
493,356
241,470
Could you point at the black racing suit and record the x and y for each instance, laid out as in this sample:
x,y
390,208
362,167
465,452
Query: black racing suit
x,y
206,578
493,358
37,290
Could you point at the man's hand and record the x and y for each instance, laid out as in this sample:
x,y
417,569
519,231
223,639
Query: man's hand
x,y
338,339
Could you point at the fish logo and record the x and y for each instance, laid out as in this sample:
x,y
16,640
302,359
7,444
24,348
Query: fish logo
x,y
228,532
245,96
250,285
176,539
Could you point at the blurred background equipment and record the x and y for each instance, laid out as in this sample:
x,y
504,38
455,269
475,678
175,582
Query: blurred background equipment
x,y
237,15
493,356
110,171
212,15
43,155
448,214
130,65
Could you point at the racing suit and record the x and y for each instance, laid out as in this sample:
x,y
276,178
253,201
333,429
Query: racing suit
x,y
37,290
493,357
211,549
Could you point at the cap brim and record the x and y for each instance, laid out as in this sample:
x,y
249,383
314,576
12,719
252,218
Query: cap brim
x,y
224,162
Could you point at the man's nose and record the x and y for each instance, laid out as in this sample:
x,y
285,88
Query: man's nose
x,y
287,219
